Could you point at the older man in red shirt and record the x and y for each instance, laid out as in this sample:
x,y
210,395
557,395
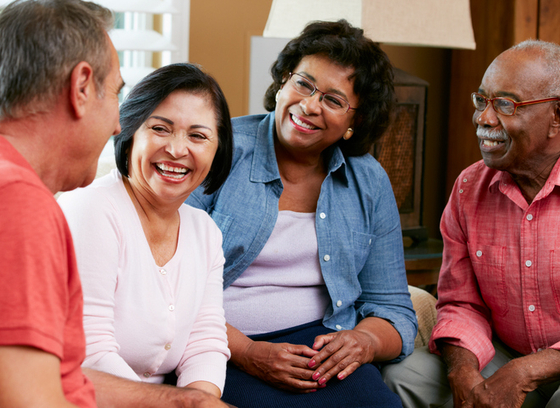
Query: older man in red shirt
x,y
498,329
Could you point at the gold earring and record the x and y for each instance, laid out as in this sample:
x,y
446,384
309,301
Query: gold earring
x,y
348,134
277,95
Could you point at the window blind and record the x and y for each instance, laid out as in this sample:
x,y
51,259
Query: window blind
x,y
148,34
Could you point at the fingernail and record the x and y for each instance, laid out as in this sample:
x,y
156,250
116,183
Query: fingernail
x,y
322,385
340,376
322,381
315,376
311,364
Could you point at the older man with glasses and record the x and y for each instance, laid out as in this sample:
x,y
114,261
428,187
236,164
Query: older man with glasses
x,y
497,339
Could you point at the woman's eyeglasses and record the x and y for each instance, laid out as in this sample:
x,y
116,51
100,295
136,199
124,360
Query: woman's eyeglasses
x,y
334,103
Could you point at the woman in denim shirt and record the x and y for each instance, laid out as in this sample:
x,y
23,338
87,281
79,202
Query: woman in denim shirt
x,y
315,285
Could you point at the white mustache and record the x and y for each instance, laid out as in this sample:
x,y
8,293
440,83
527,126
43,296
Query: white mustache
x,y
491,134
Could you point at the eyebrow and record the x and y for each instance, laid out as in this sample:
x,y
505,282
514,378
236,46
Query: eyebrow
x,y
167,120
330,90
502,94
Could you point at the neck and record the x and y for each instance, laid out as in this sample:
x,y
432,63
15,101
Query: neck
x,y
532,181
296,165
37,139
148,205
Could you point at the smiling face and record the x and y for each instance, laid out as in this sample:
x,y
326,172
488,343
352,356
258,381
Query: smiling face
x,y
518,144
173,150
302,124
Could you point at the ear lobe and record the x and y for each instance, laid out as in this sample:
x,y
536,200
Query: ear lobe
x,y
82,88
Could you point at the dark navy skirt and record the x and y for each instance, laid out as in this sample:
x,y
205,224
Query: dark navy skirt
x,y
363,388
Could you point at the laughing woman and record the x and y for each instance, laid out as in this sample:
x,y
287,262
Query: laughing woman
x,y
316,293
151,266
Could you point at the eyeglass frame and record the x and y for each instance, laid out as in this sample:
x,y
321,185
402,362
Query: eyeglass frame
x,y
315,90
515,104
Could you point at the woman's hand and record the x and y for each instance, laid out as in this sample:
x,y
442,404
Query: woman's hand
x,y
341,353
283,365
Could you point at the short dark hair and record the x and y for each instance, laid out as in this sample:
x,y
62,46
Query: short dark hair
x,y
373,76
149,93
41,41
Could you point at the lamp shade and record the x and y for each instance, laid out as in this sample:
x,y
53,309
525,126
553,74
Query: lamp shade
x,y
430,23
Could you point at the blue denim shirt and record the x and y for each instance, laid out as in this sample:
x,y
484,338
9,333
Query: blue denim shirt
x,y
357,223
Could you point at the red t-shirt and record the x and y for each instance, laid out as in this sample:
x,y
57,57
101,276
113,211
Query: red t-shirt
x,y
40,292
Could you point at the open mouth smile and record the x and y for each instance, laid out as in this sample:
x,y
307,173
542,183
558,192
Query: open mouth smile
x,y
301,123
491,143
171,171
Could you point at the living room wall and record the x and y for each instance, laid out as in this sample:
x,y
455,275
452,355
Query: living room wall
x,y
220,32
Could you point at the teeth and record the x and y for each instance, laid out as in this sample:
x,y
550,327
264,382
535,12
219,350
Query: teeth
x,y
490,143
302,124
163,167
175,176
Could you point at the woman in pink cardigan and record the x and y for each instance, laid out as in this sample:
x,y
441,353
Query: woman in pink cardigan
x,y
151,266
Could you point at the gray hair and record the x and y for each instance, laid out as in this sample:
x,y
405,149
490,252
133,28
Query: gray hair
x,y
550,53
41,42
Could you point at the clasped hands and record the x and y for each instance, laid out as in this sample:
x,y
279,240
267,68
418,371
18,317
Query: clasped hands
x,y
299,368
508,386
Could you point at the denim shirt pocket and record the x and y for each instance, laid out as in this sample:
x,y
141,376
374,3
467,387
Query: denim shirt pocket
x,y
489,269
361,245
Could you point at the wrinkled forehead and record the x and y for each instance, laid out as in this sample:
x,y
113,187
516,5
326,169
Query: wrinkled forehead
x,y
521,74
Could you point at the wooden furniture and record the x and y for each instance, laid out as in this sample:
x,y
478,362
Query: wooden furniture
x,y
422,260
401,151
497,26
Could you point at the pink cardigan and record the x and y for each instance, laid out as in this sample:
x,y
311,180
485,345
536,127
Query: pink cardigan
x,y
141,320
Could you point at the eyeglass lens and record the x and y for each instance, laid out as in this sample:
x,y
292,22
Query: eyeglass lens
x,y
331,102
501,105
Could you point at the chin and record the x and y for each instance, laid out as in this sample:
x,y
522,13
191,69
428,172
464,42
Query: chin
x,y
88,178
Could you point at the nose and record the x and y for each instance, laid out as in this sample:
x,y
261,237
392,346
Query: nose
x,y
312,104
487,117
177,146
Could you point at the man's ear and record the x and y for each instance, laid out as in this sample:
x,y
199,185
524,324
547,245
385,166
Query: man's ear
x,y
82,88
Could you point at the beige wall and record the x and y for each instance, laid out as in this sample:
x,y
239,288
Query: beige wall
x,y
220,32
219,40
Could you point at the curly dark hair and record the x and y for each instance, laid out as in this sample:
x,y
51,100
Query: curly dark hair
x,y
373,76
146,96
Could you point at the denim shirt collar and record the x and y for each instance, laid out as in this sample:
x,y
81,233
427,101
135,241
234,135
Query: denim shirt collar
x,y
264,168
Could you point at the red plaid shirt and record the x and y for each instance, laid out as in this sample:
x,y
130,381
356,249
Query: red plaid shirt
x,y
501,265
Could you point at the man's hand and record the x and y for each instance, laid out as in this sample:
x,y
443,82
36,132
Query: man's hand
x,y
462,380
283,365
506,388
116,392
463,371
509,386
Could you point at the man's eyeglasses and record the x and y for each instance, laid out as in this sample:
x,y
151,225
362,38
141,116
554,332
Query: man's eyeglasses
x,y
334,103
505,106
